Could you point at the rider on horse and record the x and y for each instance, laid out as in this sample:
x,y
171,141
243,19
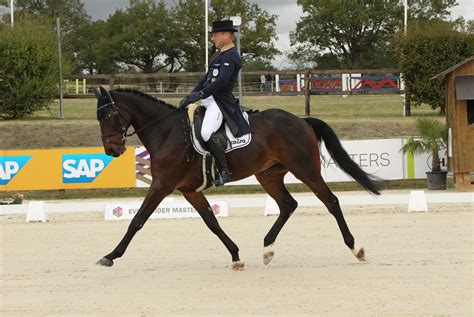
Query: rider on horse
x,y
215,89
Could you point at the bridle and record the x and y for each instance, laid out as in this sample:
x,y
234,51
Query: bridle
x,y
119,127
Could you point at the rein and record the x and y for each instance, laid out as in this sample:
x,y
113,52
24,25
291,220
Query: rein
x,y
129,134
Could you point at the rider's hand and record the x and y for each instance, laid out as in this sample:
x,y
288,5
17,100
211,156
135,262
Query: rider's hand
x,y
184,102
192,97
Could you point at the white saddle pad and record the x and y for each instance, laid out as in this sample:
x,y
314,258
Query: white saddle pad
x,y
234,144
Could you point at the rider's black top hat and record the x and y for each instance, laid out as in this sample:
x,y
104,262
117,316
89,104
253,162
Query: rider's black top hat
x,y
223,26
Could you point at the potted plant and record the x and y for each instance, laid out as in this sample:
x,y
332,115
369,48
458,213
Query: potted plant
x,y
432,137
17,198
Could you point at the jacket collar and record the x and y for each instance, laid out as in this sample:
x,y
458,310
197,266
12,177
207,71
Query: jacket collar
x,y
227,47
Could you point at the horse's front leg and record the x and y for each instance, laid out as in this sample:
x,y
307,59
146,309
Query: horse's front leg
x,y
200,203
155,195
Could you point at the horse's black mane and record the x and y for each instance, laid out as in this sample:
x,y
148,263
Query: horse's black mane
x,y
144,95
161,102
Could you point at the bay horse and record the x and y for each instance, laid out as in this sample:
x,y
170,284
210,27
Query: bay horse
x,y
281,143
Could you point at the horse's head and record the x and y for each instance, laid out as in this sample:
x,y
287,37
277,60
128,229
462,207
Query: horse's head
x,y
113,123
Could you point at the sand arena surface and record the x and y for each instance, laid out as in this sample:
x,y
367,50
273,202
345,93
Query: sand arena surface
x,y
419,264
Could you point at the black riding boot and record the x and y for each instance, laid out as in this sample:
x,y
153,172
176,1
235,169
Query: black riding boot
x,y
217,148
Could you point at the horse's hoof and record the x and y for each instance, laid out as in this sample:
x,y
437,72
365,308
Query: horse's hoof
x,y
359,253
105,262
238,265
268,254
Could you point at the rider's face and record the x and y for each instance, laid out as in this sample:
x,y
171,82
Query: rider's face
x,y
222,39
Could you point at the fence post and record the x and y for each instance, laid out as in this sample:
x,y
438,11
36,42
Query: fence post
x,y
83,86
346,83
277,83
111,82
77,86
307,93
406,99
303,81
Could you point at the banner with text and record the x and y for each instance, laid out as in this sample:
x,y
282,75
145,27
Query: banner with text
x,y
67,168
72,168
169,208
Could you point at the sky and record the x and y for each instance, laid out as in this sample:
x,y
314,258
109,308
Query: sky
x,y
287,12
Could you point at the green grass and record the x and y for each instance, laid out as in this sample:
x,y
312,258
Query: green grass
x,y
354,117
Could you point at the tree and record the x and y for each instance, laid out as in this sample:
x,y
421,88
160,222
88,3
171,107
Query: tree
x,y
355,34
71,12
144,36
93,49
28,68
470,26
257,30
6,5
464,26
428,49
255,65
190,31
344,34
429,10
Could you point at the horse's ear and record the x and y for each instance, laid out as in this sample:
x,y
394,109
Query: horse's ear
x,y
97,94
106,94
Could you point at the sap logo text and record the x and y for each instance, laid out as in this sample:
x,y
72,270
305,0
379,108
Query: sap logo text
x,y
83,168
10,166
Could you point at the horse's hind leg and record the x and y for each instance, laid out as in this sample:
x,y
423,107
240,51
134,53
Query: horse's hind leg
x,y
305,165
272,181
322,191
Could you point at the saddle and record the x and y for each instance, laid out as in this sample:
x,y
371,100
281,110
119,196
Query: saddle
x,y
209,168
196,117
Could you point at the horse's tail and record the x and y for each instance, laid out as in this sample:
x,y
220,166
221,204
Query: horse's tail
x,y
343,160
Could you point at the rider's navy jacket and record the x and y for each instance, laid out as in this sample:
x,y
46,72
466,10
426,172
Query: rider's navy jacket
x,y
219,82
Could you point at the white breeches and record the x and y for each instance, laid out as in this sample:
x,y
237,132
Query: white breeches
x,y
212,119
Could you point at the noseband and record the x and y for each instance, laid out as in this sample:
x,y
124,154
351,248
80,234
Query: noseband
x,y
119,127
